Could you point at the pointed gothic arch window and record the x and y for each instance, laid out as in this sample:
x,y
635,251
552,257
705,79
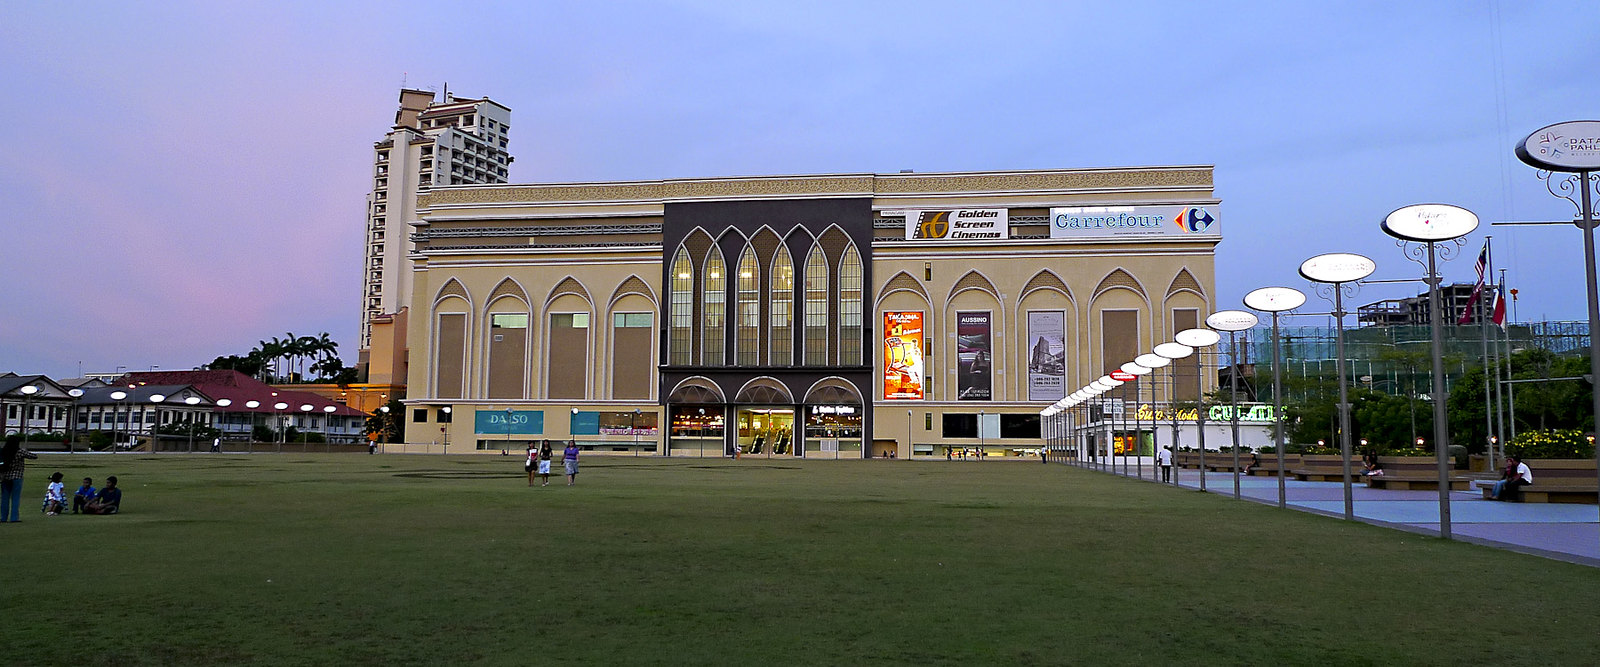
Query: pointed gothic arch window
x,y
816,307
680,318
747,313
781,321
850,307
714,309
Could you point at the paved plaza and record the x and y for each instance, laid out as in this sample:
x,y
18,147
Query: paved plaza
x,y
1562,531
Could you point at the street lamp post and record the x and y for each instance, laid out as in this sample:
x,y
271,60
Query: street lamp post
x,y
116,400
507,448
1337,271
191,402
1233,321
1421,229
1199,338
1571,148
1276,300
1173,352
152,425
27,408
1138,371
1153,362
305,434
445,430
250,440
221,417
72,441
383,434
283,431
327,428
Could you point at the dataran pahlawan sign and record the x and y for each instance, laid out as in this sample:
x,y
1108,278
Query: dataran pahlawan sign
x,y
964,224
1089,222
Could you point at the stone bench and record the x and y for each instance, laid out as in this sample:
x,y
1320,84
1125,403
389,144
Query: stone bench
x,y
1556,481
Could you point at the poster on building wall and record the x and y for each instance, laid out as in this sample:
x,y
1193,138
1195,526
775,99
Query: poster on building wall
x,y
974,357
902,356
1047,355
971,224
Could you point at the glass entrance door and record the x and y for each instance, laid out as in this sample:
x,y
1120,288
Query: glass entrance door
x,y
765,431
696,430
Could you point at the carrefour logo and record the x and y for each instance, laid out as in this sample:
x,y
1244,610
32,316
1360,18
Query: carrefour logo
x,y
1194,220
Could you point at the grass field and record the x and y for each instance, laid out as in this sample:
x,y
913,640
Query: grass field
x,y
352,559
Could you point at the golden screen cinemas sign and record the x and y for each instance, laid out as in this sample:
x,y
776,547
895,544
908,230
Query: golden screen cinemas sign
x,y
964,224
1088,222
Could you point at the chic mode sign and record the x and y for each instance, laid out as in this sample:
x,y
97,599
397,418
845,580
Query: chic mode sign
x,y
1089,222
966,224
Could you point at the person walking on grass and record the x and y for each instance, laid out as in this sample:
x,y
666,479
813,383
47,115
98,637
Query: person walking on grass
x,y
569,459
12,460
544,463
532,466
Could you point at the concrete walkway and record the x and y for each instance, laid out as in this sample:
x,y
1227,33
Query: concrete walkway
x,y
1553,530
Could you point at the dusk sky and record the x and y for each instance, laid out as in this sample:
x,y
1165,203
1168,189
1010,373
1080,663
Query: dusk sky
x,y
189,178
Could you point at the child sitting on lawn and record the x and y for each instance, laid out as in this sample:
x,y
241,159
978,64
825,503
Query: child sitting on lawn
x,y
84,494
55,498
109,501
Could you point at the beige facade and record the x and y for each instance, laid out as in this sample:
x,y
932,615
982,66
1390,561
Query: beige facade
x,y
549,299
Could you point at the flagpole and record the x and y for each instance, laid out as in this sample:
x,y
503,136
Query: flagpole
x,y
1483,330
1501,359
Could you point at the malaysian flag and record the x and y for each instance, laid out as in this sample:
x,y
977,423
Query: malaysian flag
x,y
1477,290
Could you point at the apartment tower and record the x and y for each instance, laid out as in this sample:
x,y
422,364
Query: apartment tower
x,y
453,141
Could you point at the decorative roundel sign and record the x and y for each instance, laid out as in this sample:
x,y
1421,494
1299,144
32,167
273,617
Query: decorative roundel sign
x,y
1275,299
1231,320
1571,146
1150,360
1123,376
1428,223
1337,267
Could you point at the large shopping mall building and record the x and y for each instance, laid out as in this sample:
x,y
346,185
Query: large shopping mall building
x,y
840,315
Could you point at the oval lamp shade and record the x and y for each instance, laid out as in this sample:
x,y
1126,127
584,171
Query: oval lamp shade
x,y
1174,350
1199,337
1275,299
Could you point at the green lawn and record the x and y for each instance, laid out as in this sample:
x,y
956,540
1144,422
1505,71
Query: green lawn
x,y
354,559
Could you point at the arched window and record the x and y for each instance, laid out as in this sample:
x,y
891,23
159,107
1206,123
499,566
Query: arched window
x,y
816,307
714,306
747,317
850,307
680,319
781,322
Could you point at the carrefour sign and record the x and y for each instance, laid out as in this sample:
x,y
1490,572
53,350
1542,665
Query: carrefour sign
x,y
1088,222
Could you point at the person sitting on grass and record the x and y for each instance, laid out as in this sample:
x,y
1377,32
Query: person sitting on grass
x,y
84,494
55,496
108,501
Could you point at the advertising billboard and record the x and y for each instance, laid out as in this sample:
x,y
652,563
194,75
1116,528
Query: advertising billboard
x,y
966,224
902,356
1090,222
974,357
1047,355
508,422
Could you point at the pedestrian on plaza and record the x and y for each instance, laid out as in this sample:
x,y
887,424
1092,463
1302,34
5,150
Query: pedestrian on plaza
x,y
12,461
544,463
1164,461
569,459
